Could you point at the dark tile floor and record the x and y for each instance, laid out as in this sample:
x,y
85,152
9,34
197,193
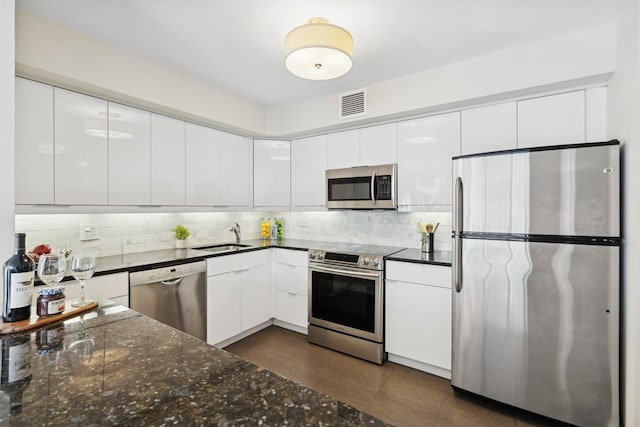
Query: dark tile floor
x,y
392,392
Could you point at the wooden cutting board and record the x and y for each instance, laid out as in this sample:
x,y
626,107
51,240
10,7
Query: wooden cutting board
x,y
36,322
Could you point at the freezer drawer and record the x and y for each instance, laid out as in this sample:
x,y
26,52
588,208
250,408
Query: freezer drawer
x,y
536,326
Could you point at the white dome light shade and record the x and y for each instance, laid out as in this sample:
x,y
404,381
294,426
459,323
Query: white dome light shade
x,y
318,50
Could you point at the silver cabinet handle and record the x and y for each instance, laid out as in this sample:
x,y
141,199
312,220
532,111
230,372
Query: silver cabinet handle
x,y
172,282
457,229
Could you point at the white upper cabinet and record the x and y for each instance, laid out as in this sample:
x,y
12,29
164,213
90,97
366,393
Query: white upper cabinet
x,y
308,166
343,149
34,143
596,114
552,120
490,128
129,155
217,168
425,149
80,149
167,161
375,145
378,145
271,173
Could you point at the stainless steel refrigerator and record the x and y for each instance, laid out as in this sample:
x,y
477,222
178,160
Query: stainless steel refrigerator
x,y
536,280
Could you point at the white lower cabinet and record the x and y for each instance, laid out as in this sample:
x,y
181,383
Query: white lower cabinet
x,y
418,316
238,294
224,306
291,278
112,286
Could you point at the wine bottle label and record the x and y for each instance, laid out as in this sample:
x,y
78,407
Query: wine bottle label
x,y
21,289
19,362
55,307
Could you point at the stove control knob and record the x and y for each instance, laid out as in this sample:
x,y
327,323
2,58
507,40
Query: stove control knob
x,y
366,260
376,261
312,255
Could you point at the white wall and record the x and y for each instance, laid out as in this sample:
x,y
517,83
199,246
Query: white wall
x,y
54,54
7,128
624,124
560,62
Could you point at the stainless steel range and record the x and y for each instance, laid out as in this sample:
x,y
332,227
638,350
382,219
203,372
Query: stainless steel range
x,y
346,300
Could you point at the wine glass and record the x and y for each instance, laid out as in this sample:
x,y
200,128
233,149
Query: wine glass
x,y
51,268
82,268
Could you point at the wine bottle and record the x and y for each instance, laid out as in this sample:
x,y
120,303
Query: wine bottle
x,y
15,373
19,272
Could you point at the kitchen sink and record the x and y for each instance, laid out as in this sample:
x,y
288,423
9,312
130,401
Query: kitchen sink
x,y
225,247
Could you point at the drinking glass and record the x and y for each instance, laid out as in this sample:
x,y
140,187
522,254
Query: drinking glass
x,y
82,268
51,268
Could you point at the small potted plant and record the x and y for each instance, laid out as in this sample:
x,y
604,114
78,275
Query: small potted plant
x,y
182,234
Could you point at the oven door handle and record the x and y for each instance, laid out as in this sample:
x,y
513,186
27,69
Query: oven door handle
x,y
345,272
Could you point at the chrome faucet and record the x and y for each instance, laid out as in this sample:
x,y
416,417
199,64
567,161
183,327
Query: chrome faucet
x,y
236,229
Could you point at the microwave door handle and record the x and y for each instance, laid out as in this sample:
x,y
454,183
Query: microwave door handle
x,y
373,188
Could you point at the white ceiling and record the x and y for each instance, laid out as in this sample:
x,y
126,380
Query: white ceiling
x,y
238,45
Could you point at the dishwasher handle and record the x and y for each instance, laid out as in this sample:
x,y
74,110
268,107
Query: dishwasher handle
x,y
171,282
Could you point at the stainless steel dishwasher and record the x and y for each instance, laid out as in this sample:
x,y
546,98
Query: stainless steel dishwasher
x,y
175,295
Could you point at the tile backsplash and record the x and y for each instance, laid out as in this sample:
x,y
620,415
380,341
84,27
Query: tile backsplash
x,y
128,233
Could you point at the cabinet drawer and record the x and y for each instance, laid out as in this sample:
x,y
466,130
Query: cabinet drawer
x,y
292,279
290,257
292,308
235,262
425,274
107,286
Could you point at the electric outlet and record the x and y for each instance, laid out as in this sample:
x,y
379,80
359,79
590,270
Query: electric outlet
x,y
89,232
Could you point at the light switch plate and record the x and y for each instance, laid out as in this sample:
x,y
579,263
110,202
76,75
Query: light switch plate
x,y
89,232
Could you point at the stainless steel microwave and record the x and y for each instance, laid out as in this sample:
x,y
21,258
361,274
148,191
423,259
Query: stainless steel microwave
x,y
362,187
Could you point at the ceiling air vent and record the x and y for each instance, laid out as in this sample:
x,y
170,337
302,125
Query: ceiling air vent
x,y
353,104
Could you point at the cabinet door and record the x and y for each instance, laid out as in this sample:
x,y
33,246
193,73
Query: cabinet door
x,y
425,149
343,149
491,128
552,120
256,296
167,161
81,149
271,173
379,145
202,162
129,155
224,306
292,308
418,322
233,178
217,168
34,143
308,166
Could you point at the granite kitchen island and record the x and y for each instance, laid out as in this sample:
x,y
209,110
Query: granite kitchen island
x,y
114,366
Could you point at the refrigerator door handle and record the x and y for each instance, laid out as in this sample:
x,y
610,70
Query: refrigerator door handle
x,y
457,228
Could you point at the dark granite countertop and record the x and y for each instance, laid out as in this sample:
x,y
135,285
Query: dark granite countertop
x,y
163,258
114,366
417,256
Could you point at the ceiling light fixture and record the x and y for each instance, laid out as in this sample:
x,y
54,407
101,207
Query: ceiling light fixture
x,y
318,50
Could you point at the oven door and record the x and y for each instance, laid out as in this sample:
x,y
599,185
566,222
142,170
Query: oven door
x,y
347,300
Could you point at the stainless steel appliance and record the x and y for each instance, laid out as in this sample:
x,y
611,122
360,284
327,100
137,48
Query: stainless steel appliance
x,y
346,300
363,187
536,279
174,295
